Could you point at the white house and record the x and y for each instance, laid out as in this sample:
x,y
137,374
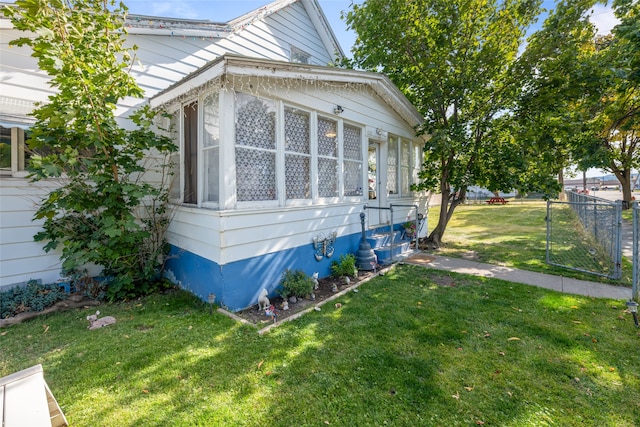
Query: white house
x,y
277,149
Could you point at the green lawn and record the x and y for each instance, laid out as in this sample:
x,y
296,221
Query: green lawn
x,y
513,235
415,347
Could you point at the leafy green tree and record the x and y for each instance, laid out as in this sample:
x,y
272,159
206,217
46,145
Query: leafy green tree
x,y
582,89
454,60
547,120
104,212
616,117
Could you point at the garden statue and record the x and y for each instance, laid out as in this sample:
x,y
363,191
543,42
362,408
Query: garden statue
x,y
263,300
271,312
315,281
95,323
285,305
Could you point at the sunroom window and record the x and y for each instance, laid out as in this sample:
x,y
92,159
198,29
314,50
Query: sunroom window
x,y
327,157
282,155
297,154
211,148
352,161
255,149
190,153
403,165
392,165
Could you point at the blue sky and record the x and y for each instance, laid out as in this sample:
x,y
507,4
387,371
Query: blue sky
x,y
225,10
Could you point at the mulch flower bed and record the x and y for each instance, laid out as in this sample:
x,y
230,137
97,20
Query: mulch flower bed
x,y
323,294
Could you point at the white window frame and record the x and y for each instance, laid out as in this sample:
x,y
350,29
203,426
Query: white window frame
x,y
316,180
310,200
279,152
297,52
228,185
203,151
18,146
393,141
412,169
363,156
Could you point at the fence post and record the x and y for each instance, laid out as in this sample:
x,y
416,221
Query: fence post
x,y
548,218
636,252
618,254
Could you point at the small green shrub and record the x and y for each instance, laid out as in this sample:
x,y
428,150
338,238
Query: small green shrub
x,y
346,267
295,283
31,297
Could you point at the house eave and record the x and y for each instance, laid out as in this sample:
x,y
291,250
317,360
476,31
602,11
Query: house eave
x,y
164,26
234,65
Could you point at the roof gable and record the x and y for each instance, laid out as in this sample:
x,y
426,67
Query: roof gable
x,y
299,19
242,66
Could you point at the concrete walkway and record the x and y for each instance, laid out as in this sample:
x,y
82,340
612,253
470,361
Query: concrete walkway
x,y
547,281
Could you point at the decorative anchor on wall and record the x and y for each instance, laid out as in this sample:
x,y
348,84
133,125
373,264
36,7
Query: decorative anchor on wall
x,y
323,245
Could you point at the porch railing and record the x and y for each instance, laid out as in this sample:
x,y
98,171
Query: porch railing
x,y
391,230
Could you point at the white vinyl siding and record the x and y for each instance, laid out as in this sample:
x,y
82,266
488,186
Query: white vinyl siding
x,y
22,259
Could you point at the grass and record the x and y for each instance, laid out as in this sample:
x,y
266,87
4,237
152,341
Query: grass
x,y
627,215
413,347
512,235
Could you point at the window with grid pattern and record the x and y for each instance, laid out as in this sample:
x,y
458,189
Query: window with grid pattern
x,y
352,163
327,157
405,167
392,165
297,157
255,148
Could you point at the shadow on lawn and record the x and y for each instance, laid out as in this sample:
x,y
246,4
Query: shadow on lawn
x,y
414,347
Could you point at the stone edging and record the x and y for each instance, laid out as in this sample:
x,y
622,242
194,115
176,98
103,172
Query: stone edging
x,y
233,316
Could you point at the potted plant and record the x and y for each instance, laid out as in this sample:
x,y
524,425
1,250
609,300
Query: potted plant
x,y
409,229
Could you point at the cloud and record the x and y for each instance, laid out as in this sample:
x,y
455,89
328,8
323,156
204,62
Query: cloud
x,y
603,18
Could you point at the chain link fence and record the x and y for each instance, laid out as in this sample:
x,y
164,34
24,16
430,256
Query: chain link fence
x,y
584,234
635,292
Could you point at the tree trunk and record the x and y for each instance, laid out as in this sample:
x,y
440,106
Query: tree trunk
x,y
625,183
447,206
435,238
562,197
624,177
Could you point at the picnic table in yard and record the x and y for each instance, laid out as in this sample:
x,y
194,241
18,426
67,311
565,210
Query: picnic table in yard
x,y
25,400
495,200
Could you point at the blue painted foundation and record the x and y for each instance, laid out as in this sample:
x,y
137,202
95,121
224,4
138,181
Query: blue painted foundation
x,y
238,284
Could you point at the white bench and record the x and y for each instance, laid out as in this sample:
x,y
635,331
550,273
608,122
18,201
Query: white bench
x,y
25,400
